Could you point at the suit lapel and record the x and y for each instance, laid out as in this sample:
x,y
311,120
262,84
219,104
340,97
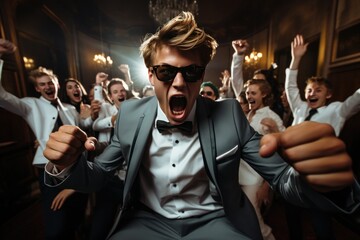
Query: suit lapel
x,y
144,126
65,115
207,137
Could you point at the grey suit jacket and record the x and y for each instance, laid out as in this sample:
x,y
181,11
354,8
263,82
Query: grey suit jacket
x,y
225,137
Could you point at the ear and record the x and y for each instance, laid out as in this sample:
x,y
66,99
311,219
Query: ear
x,y
37,89
328,95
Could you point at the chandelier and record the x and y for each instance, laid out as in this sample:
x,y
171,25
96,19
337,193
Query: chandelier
x,y
29,63
253,58
104,61
164,10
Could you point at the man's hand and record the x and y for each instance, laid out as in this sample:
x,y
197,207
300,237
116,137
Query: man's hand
x,y
101,79
269,125
124,68
298,49
6,46
240,46
95,108
315,152
65,146
61,198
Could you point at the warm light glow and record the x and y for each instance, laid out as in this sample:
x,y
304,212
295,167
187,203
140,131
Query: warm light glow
x,y
29,63
102,60
254,58
164,10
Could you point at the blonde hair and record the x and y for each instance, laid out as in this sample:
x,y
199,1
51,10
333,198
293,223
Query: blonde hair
x,y
40,72
183,34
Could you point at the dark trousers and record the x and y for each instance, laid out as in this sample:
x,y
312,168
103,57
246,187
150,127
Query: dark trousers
x,y
107,203
146,224
322,223
62,223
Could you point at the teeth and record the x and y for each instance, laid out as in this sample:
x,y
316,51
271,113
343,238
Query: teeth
x,y
177,112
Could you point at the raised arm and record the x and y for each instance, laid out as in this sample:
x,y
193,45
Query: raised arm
x,y
124,68
298,49
9,101
6,47
240,46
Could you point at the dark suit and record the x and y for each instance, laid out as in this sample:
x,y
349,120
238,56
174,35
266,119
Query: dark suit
x,y
225,137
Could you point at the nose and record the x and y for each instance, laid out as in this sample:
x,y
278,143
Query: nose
x,y
179,81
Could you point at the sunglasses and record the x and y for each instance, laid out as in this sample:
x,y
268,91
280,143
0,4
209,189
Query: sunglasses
x,y
167,73
207,93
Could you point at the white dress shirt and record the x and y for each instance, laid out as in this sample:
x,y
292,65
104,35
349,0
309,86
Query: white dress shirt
x,y
173,178
103,123
247,175
40,115
335,114
237,76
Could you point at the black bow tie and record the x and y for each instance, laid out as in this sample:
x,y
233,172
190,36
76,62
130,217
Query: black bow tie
x,y
163,127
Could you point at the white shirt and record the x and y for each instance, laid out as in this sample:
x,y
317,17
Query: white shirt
x,y
335,114
103,123
40,115
173,178
237,77
247,175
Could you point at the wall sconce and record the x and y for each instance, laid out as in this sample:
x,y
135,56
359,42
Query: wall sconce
x,y
29,63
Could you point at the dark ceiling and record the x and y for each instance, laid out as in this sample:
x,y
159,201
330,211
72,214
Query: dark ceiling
x,y
128,21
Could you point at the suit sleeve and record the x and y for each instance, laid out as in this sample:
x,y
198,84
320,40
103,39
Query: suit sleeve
x,y
286,180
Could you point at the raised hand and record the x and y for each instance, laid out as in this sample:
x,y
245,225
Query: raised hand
x,y
315,152
124,68
101,78
298,49
240,46
6,46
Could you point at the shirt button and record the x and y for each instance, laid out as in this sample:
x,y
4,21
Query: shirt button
x,y
181,211
176,141
53,117
174,185
173,165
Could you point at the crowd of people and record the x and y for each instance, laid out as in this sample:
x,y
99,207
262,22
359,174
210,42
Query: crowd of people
x,y
186,160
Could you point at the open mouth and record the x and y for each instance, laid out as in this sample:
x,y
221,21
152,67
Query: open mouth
x,y
49,92
121,99
314,100
178,104
76,94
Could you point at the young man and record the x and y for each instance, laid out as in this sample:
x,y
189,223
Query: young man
x,y
316,108
209,90
317,94
182,176
44,115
